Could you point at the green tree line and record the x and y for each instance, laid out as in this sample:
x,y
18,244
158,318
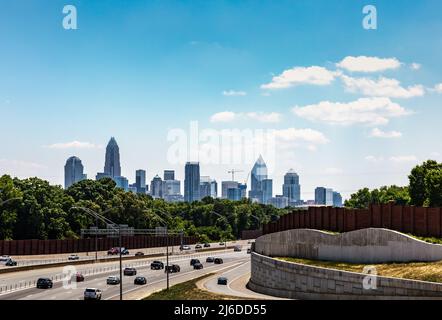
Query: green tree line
x,y
424,189
37,210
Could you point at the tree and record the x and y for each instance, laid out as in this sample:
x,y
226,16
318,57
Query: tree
x,y
364,197
418,189
433,188
8,213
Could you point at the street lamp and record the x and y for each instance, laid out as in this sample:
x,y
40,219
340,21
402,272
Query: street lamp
x,y
223,217
167,245
112,225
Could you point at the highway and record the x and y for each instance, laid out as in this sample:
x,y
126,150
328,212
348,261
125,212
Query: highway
x,y
96,274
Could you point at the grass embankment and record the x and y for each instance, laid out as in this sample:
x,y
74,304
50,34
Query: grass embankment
x,y
188,291
424,271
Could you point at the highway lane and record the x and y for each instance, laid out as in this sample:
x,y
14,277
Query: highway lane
x,y
83,256
98,280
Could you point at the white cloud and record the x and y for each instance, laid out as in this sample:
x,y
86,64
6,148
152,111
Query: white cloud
x,y
409,158
233,93
228,116
225,116
368,64
305,135
378,133
369,111
272,117
73,145
301,75
438,88
374,159
415,66
382,87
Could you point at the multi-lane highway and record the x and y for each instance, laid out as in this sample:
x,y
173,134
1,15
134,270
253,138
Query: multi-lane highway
x,y
21,285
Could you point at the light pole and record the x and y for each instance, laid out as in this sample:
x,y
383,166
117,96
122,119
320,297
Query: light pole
x,y
167,246
112,225
223,217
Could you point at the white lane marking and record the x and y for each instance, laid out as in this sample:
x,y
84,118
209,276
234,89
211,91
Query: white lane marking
x,y
228,285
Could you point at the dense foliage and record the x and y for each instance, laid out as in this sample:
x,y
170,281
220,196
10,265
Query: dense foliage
x,y
37,210
424,189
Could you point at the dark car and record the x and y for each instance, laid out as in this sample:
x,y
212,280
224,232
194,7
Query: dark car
x,y
124,251
218,261
222,281
79,277
157,265
221,243
198,246
210,259
130,271
11,263
44,283
193,261
140,281
198,266
139,254
113,280
249,251
207,245
172,268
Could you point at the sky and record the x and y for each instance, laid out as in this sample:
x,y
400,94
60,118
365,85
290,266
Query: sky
x,y
311,89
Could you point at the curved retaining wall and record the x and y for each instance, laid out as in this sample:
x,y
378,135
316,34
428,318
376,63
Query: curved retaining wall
x,y
296,281
361,246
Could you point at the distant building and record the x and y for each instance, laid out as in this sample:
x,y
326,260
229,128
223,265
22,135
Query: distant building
x,y
174,198
234,194
171,188
258,175
291,188
140,181
101,175
267,190
337,199
213,189
324,196
205,187
133,188
279,202
112,165
243,189
122,183
192,182
225,185
73,172
156,187
169,175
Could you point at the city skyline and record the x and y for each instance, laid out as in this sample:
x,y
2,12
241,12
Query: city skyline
x,y
351,108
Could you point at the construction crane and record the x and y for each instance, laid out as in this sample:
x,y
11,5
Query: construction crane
x,y
233,171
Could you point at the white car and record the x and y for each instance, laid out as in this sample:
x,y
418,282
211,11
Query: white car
x,y
185,248
92,294
73,257
5,258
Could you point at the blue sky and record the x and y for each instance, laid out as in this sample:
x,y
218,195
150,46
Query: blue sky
x,y
138,69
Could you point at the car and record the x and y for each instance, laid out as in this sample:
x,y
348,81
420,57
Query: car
x,y
198,246
124,251
113,280
4,258
193,261
184,247
237,248
73,257
249,251
172,268
218,261
139,254
198,266
11,263
92,294
210,259
113,251
140,280
222,281
130,271
156,265
79,277
207,245
44,283
221,243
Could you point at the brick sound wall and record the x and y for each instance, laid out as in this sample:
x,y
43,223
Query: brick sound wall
x,y
34,247
420,221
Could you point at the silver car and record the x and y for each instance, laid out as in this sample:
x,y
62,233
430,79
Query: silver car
x,y
92,294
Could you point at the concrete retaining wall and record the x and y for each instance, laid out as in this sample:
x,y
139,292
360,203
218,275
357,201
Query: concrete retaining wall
x,y
296,281
361,246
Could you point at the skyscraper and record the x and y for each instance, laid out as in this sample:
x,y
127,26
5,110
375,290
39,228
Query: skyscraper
x,y
169,175
205,187
112,165
337,199
157,187
258,175
267,190
192,182
140,181
73,172
291,188
225,186
324,196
